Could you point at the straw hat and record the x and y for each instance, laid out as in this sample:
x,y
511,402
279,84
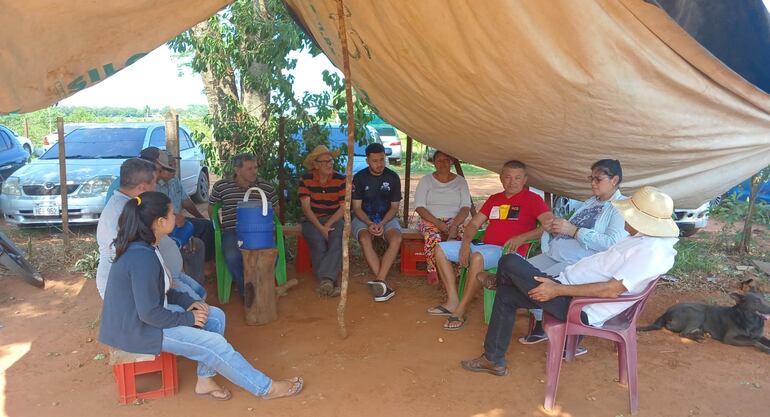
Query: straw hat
x,y
649,211
316,152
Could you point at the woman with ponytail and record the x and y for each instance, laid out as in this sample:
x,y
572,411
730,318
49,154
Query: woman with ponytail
x,y
142,313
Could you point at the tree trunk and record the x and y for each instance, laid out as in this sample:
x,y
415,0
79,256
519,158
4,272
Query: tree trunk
x,y
745,242
218,89
254,100
259,285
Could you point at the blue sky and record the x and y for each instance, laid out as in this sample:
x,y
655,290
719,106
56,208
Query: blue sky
x,y
158,80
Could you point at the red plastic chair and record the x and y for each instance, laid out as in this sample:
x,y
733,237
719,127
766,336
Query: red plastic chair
x,y
621,329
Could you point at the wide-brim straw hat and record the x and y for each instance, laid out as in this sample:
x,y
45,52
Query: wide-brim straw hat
x,y
316,152
649,211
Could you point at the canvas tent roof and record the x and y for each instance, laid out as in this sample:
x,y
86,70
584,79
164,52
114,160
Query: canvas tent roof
x,y
557,84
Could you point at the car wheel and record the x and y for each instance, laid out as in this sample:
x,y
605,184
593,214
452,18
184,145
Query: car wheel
x,y
201,194
28,149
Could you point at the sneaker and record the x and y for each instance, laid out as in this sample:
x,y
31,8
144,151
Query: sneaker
x,y
533,338
326,287
389,293
377,287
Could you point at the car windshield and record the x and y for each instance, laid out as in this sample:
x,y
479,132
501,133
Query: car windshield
x,y
339,138
386,131
98,143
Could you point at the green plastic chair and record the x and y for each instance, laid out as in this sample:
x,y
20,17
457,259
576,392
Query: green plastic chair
x,y
489,295
224,279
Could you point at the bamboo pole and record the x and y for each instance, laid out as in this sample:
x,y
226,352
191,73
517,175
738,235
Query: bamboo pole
x,y
348,172
65,221
407,180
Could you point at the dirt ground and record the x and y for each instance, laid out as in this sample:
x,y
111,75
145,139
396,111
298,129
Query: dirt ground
x,y
396,361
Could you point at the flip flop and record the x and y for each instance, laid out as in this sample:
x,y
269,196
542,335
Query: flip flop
x,y
211,394
297,384
454,319
439,310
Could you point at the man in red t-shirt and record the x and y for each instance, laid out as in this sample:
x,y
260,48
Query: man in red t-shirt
x,y
513,216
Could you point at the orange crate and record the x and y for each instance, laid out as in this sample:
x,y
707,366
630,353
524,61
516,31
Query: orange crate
x,y
302,262
125,377
413,258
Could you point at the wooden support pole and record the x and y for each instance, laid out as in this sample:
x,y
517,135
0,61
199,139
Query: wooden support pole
x,y
65,220
281,169
459,169
407,180
172,137
259,285
348,171
26,128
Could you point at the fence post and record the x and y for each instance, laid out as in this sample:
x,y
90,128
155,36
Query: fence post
x,y
63,185
172,138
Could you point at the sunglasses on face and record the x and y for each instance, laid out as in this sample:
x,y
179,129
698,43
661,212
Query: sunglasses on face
x,y
324,161
598,179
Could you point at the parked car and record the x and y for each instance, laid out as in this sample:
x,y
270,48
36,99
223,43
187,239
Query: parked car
x,y
338,139
12,153
390,139
53,137
26,144
690,221
94,154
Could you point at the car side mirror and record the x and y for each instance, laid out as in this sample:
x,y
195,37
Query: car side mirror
x,y
388,152
39,152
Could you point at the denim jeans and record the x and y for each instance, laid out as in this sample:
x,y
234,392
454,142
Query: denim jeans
x,y
214,354
515,278
233,257
325,255
190,286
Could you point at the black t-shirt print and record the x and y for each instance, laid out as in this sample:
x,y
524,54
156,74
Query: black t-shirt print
x,y
376,192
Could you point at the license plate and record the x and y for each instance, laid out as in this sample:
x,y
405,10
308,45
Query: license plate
x,y
47,211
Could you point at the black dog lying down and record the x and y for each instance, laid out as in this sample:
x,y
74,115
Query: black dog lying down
x,y
740,325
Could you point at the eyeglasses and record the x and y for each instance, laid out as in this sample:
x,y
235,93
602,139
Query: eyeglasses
x,y
593,179
324,161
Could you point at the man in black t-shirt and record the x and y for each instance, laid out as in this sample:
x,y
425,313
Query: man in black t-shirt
x,y
376,197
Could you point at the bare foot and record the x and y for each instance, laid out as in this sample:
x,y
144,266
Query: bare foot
x,y
285,388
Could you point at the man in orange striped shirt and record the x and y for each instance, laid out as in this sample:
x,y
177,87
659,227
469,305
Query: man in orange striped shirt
x,y
322,194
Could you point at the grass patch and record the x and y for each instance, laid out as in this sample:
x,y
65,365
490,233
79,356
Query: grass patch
x,y
697,258
468,170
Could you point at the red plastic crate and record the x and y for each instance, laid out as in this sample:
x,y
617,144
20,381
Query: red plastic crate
x,y
413,257
125,377
302,261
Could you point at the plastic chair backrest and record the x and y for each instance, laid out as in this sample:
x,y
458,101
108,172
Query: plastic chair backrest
x,y
624,319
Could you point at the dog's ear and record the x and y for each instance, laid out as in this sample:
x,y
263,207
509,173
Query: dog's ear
x,y
738,297
748,286
745,284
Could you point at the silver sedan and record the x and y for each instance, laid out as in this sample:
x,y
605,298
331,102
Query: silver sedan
x,y
31,196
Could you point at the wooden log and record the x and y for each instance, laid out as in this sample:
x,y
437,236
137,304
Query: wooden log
x,y
259,288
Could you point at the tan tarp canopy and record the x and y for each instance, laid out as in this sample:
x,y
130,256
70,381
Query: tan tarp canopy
x,y
51,49
557,84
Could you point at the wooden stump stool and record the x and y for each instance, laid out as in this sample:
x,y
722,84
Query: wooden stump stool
x,y
259,285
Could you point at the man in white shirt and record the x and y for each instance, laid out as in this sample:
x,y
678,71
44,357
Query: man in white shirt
x,y
136,176
624,269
